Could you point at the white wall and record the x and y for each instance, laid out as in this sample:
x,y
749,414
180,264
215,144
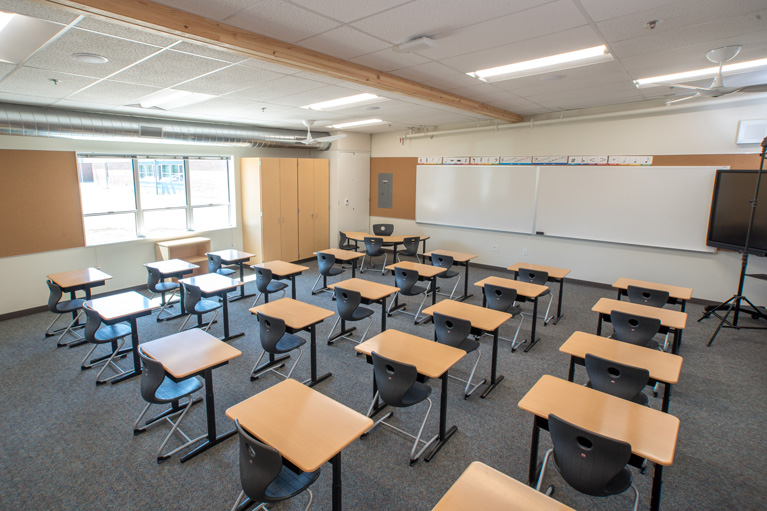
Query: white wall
x,y
709,129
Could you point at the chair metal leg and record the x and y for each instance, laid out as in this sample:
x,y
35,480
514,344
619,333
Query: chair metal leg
x,y
186,320
254,376
256,300
69,329
469,390
362,339
546,317
110,362
175,429
362,263
167,303
215,315
383,266
311,497
237,502
330,334
455,286
543,469
414,456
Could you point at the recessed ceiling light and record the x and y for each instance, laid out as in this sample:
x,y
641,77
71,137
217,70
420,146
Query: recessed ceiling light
x,y
355,124
21,36
551,78
334,104
168,99
5,18
687,76
90,58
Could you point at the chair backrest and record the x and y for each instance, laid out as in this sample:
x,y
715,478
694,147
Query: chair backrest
x,y
54,297
152,376
214,263
342,239
646,296
192,295
383,229
443,261
411,245
634,329
260,464
619,380
588,461
325,262
347,302
393,379
373,245
153,279
449,330
533,276
92,323
405,279
271,330
500,298
263,278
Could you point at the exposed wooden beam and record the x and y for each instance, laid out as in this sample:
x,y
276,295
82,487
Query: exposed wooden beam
x,y
147,14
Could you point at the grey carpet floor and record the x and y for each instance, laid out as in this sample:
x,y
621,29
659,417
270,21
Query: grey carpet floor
x,y
68,444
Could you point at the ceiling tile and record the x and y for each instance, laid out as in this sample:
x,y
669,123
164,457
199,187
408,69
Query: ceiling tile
x,y
276,88
344,42
5,68
427,71
203,50
389,60
215,10
42,11
38,82
168,68
325,93
229,79
346,11
117,93
449,83
101,26
600,10
281,20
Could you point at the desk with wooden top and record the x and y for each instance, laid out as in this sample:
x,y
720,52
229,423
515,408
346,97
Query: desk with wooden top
x,y
652,434
172,268
526,290
676,294
194,353
231,256
388,241
425,272
342,256
297,316
460,259
483,487
73,281
282,270
306,427
669,320
213,284
371,292
482,320
555,275
431,359
663,367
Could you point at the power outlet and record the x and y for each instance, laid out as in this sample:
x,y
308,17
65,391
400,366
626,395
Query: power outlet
x,y
524,251
494,248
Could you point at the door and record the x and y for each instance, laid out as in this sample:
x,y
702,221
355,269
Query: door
x,y
306,194
321,205
289,208
271,216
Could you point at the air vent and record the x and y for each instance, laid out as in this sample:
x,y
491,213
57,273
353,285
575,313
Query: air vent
x,y
149,132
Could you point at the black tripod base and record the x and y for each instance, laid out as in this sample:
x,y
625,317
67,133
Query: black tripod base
x,y
730,306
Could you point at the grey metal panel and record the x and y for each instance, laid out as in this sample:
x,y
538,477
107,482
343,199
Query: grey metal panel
x,y
385,190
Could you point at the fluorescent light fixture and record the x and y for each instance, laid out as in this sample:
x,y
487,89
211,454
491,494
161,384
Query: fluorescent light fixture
x,y
21,36
689,76
415,45
5,18
543,65
335,104
355,124
168,99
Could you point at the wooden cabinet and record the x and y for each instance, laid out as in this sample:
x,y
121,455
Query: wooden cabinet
x,y
191,250
285,207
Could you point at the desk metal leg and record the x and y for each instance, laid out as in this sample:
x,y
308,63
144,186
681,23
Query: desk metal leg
x,y
559,301
383,314
444,433
465,284
657,483
533,453
337,489
494,380
210,412
293,287
314,380
136,359
533,338
228,337
599,324
242,287
666,397
571,370
433,298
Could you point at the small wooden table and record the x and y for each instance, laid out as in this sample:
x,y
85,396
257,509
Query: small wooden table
x,y
129,307
525,290
282,270
231,256
308,428
372,292
652,434
482,320
425,272
389,241
483,487
663,367
297,316
555,275
343,256
431,359
669,320
676,294
213,284
73,281
172,268
194,353
460,259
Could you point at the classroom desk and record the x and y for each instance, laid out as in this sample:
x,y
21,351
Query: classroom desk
x,y
194,353
676,294
459,259
213,284
231,256
77,280
372,292
128,306
308,428
529,292
298,316
425,272
342,256
282,270
663,367
483,487
669,320
482,320
388,241
651,433
555,275
431,359
172,268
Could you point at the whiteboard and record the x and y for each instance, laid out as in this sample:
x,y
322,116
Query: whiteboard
x,y
492,197
651,206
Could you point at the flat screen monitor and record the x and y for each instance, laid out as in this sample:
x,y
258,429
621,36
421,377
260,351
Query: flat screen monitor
x,y
731,209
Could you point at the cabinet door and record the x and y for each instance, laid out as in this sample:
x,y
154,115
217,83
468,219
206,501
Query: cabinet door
x,y
271,217
321,205
289,208
306,184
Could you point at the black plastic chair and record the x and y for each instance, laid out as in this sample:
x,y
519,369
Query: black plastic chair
x,y
410,246
398,387
215,265
455,332
383,229
350,309
646,296
623,381
538,277
156,286
446,261
326,265
157,388
198,306
265,285
61,307
276,341
503,299
406,280
344,243
265,478
374,248
635,329
591,463
98,334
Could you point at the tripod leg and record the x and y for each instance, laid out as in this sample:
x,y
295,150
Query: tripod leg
x,y
732,301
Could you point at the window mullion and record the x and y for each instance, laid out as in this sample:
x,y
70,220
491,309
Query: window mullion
x,y
137,196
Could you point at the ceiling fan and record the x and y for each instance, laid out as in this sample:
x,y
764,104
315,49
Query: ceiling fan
x,y
309,140
717,88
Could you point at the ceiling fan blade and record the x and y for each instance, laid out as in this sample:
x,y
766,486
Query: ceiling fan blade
x,y
762,87
672,101
682,86
330,138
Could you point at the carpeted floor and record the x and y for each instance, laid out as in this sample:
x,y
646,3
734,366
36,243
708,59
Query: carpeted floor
x,y
68,444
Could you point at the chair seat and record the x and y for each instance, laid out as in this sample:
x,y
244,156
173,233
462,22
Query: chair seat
x,y
546,293
225,271
289,342
514,311
70,305
361,313
379,253
204,306
449,274
288,484
415,394
617,484
334,271
273,286
170,390
468,345
348,246
414,291
109,333
164,287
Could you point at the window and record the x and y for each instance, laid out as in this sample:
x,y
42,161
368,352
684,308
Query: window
x,y
126,198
